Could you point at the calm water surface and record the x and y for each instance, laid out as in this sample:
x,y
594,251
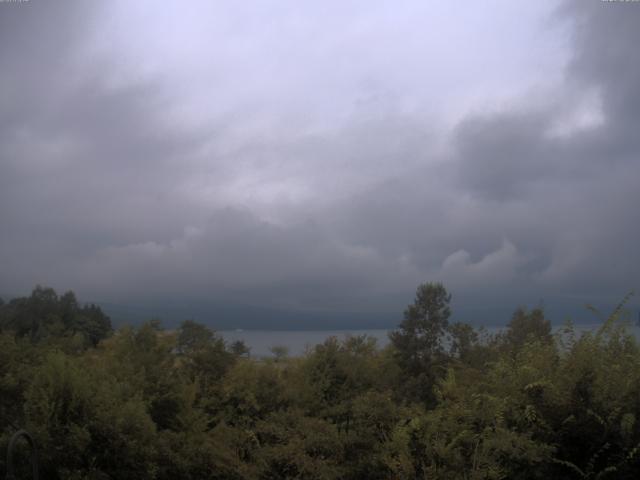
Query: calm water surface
x,y
297,342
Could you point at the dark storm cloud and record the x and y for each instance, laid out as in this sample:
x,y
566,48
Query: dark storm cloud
x,y
574,176
606,37
84,161
536,199
110,188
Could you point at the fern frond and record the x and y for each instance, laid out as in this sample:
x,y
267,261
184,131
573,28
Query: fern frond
x,y
611,319
570,465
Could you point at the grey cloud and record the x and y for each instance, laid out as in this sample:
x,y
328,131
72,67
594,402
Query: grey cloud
x,y
105,188
501,154
237,257
579,189
605,46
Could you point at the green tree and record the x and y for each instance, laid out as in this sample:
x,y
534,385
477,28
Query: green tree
x,y
193,336
527,326
296,446
94,325
464,339
87,425
240,348
418,342
250,392
204,359
46,316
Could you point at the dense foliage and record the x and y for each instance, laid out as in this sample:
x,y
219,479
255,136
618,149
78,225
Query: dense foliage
x,y
442,401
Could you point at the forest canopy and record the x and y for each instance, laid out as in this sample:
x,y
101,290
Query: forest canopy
x,y
443,400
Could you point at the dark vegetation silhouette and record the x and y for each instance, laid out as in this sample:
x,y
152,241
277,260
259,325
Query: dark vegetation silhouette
x,y
441,401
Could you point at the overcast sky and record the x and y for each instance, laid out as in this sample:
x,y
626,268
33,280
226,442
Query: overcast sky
x,y
321,157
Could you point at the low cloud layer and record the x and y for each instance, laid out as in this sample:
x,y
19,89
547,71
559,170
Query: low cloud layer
x,y
323,161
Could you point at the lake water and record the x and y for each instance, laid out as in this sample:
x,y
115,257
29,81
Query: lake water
x,y
297,342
